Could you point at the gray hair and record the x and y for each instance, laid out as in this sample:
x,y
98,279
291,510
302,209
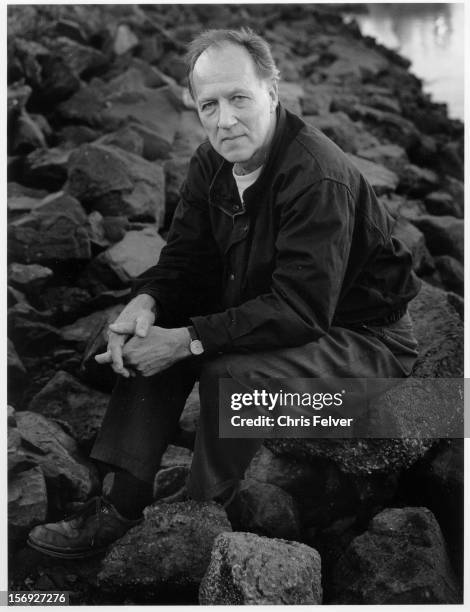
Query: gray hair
x,y
257,47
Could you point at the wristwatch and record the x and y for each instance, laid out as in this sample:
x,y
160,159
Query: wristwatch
x,y
195,346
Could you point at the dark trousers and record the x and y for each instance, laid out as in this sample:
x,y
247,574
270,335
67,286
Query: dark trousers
x,y
143,413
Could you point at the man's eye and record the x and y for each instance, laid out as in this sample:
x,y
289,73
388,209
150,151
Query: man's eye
x,y
239,99
208,106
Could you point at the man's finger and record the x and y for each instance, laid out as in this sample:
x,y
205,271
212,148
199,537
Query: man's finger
x,y
125,327
104,357
142,325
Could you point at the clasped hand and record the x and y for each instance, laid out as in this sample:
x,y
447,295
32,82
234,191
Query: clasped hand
x,y
135,345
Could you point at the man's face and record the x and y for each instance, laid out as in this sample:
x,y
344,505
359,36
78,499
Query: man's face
x,y
235,106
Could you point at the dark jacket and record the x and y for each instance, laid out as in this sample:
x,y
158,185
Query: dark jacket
x,y
309,247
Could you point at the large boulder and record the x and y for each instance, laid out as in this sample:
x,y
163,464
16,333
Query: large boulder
x,y
65,398
439,331
16,374
127,101
417,181
51,233
414,240
84,330
21,199
116,182
265,509
29,278
391,156
127,259
444,234
400,559
168,553
27,502
246,569
443,203
347,134
40,441
47,168
452,273
382,180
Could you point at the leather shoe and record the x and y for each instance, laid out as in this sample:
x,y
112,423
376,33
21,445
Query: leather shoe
x,y
86,533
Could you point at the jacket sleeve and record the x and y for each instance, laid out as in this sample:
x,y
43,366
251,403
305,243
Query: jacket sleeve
x,y
312,251
187,277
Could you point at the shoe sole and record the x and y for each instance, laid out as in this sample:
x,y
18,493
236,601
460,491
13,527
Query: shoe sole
x,y
84,554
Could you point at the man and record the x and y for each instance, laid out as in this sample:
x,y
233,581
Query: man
x,y
280,263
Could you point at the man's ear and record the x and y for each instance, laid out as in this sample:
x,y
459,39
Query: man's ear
x,y
273,94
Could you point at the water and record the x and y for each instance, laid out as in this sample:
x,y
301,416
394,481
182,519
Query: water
x,y
431,36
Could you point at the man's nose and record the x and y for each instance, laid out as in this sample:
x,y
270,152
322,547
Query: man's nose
x,y
227,118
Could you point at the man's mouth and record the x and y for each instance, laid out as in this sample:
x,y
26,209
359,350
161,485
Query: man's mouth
x,y
232,137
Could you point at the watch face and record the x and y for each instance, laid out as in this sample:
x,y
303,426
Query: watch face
x,y
196,347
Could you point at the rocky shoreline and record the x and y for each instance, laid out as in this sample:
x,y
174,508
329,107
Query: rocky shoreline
x,y
100,133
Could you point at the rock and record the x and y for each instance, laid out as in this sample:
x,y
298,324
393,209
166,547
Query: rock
x,y
127,259
72,136
457,303
452,273
400,559
391,156
176,456
439,484
175,173
170,484
124,40
153,113
16,375
22,199
58,81
290,96
27,503
295,477
66,303
116,182
361,456
29,134
345,133
390,126
354,60
28,278
96,232
126,102
442,203
246,569
17,98
264,509
416,181
53,232
444,235
68,475
83,330
382,180
169,552
34,337
189,135
439,332
317,100
126,138
67,399
47,168
115,228
452,159
456,190
189,418
414,240
81,60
